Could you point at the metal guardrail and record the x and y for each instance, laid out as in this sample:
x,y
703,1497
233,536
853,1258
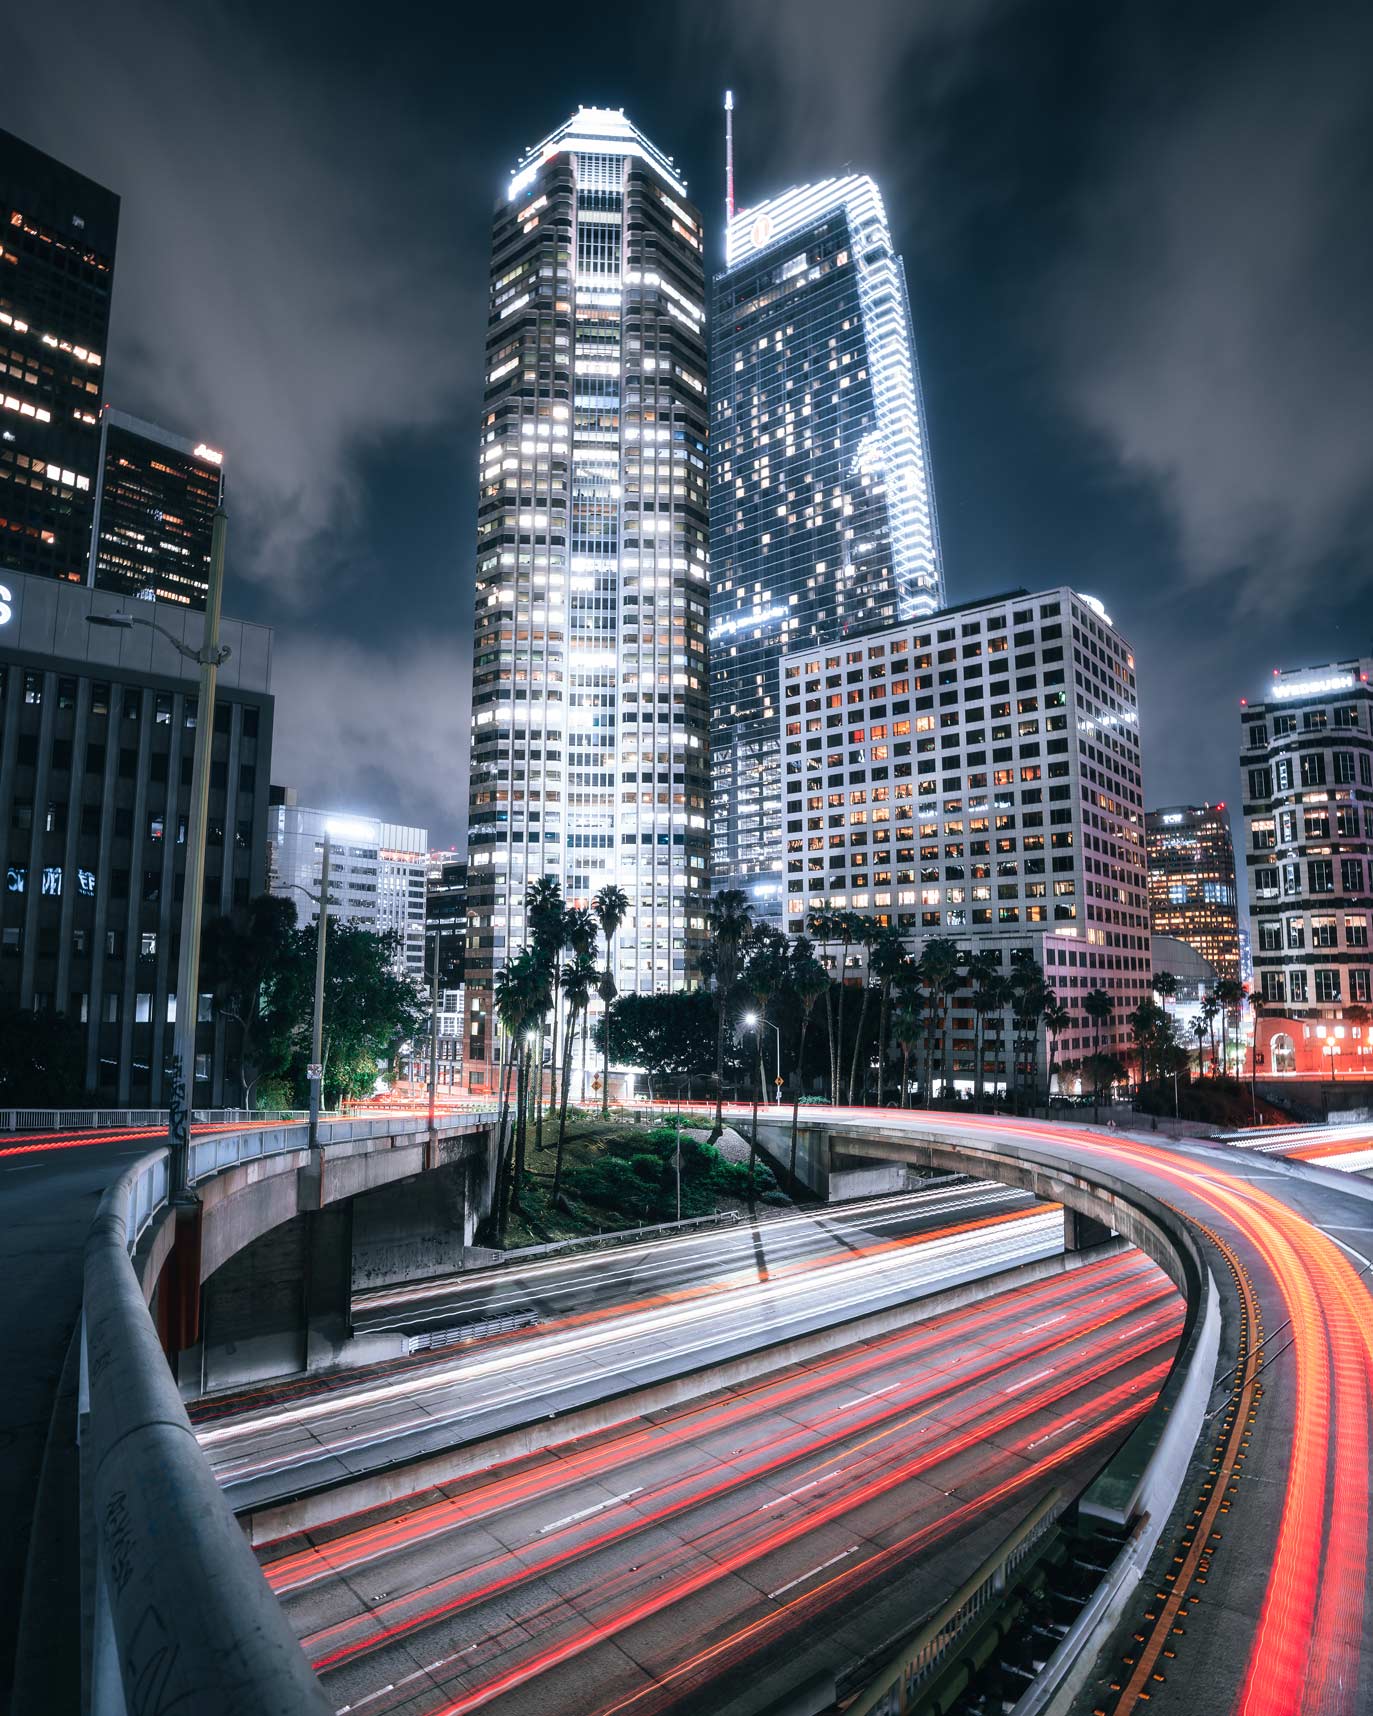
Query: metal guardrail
x,y
891,1689
148,1194
182,1617
98,1119
213,1152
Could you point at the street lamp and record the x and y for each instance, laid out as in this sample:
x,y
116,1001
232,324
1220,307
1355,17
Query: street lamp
x,y
314,1073
754,1022
210,657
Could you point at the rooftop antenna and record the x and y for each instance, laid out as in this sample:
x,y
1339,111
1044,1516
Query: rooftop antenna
x,y
729,154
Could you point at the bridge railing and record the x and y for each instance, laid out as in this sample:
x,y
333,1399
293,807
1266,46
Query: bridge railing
x,y
181,1615
98,1119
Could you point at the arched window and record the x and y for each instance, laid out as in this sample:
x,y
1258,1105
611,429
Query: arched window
x,y
1284,1054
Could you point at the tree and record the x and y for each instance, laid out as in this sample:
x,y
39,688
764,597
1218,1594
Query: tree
x,y
807,980
1210,1009
546,916
1230,993
42,1059
1166,985
941,969
1199,1029
990,995
886,960
1057,1020
1027,1005
668,1036
848,928
611,906
515,996
1154,1034
575,980
252,963
1098,1006
370,1009
729,921
764,974
824,926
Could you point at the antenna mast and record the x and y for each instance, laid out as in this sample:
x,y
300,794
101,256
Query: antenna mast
x,y
729,154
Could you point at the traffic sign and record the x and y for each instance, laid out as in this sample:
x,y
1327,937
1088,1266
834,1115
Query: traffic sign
x,y
314,1072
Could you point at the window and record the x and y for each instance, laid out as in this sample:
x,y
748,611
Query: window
x,y
1360,981
1344,768
1321,874
1356,932
1323,932
1327,985
1351,875
1296,985
1270,937
109,1007
1296,932
1313,769
1274,988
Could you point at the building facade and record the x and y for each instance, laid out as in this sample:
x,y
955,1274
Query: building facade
x,y
57,242
1192,893
376,871
1306,766
589,691
822,519
155,504
97,735
445,933
976,776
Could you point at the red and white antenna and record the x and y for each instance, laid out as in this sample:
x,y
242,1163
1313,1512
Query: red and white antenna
x,y
729,154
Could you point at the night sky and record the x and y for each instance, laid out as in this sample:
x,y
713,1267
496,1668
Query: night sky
x,y
1138,245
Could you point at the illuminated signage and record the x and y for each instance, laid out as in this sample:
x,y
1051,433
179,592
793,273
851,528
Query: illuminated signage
x,y
1314,687
1173,816
204,452
762,231
6,608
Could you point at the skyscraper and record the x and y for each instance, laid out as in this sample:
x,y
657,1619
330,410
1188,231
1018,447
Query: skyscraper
x,y
1192,881
57,241
589,694
154,512
822,515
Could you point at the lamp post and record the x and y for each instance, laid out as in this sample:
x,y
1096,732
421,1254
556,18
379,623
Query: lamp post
x,y
752,1022
756,1023
434,1030
315,1071
210,657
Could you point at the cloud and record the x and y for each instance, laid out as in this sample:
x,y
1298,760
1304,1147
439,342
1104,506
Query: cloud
x,y
373,734
1214,321
283,286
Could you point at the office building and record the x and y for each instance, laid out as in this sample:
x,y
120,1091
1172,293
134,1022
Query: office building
x,y
445,932
1306,766
976,775
155,503
589,693
822,520
376,871
57,244
97,735
1192,894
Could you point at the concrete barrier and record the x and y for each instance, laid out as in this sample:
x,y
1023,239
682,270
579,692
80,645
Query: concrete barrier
x,y
182,1617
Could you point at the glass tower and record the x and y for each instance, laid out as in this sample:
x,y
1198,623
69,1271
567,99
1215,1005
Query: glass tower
x,y
590,711
822,516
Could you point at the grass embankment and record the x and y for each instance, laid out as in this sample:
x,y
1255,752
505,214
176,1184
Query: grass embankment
x,y
1225,1103
618,1175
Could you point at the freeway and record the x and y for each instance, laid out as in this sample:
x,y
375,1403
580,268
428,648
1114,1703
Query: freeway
x,y
678,1559
1346,1147
616,1321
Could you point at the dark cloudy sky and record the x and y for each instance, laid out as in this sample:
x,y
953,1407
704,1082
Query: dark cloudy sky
x,y
1139,250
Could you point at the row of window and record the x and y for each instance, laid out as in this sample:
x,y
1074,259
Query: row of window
x,y
1290,987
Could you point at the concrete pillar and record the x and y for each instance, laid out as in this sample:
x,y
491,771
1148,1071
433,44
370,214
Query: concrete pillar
x,y
328,1283
177,1308
1081,1231
414,1229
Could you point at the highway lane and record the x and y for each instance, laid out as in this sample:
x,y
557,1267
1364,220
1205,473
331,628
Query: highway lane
x,y
272,1442
772,1531
1283,1629
1348,1148
586,1281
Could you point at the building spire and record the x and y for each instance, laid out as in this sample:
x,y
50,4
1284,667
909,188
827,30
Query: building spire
x,y
729,154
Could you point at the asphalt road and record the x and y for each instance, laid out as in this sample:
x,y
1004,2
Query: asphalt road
x,y
613,1322
765,1536
50,1185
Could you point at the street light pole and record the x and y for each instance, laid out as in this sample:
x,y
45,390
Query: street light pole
x,y
434,1031
315,1071
182,1094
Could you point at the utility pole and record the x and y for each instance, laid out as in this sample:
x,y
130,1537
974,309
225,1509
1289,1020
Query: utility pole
x,y
315,1071
210,657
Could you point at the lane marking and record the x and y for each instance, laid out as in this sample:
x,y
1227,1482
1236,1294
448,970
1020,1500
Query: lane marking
x,y
586,1512
1037,1377
791,1584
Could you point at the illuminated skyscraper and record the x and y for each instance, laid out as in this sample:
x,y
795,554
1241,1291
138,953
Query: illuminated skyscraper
x,y
822,516
589,694
1192,881
154,512
57,241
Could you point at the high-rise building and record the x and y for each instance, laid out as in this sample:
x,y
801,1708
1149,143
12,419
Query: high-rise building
x,y
1306,766
822,520
976,776
376,871
155,503
57,243
1192,881
97,735
589,694
445,933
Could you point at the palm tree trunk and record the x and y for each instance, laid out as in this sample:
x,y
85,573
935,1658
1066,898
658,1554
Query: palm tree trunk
x,y
883,1023
858,1042
839,1045
719,1125
831,1043
905,1075
979,1035
522,1127
796,1102
562,1111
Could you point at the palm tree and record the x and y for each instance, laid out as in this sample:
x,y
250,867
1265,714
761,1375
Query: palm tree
x,y
983,971
520,998
1210,1008
1027,1003
941,969
823,926
847,927
575,980
1057,1020
865,931
908,1027
546,917
1230,993
1098,1006
729,921
765,972
1199,1028
1166,985
611,907
886,959
807,980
